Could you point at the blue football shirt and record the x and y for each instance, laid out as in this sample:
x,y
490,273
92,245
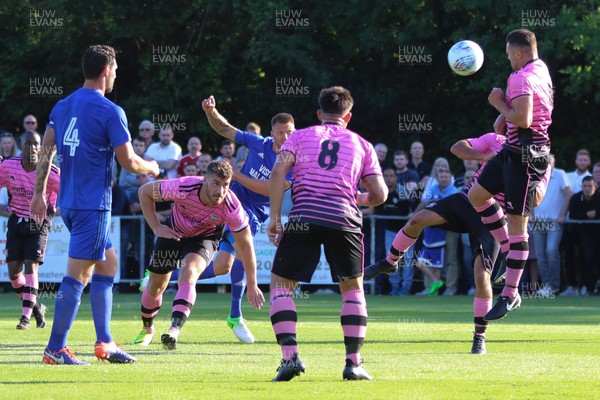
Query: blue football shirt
x,y
260,162
87,127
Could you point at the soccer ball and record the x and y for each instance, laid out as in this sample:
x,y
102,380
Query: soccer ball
x,y
465,57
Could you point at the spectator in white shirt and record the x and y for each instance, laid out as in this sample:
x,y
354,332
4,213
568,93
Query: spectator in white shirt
x,y
166,152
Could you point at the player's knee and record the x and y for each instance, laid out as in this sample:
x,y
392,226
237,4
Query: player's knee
x,y
221,268
417,221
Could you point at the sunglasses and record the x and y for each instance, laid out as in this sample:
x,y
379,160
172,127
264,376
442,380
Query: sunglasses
x,y
145,129
6,135
31,122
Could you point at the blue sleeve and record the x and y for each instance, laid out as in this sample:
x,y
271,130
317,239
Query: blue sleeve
x,y
116,125
250,140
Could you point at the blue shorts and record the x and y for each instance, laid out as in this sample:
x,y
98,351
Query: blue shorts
x,y
227,241
89,233
432,257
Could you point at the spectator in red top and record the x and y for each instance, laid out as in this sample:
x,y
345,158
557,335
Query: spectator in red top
x,y
194,147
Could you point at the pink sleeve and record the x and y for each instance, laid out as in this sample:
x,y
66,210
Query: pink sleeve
x,y
236,218
519,86
370,162
488,143
169,190
3,180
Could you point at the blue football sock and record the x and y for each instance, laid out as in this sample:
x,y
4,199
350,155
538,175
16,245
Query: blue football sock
x,y
68,299
238,285
101,297
208,272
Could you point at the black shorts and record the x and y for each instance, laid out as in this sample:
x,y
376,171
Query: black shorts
x,y
516,171
25,240
299,251
461,217
167,253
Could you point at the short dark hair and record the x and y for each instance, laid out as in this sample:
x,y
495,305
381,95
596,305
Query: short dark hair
x,y
139,139
225,142
24,136
335,100
522,38
190,163
588,178
95,59
400,153
220,168
282,118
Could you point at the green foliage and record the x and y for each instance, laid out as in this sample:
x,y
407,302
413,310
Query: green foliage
x,y
238,51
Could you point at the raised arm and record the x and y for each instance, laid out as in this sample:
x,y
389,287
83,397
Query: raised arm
x,y
245,252
217,121
519,113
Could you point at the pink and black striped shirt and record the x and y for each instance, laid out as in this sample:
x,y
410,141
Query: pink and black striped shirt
x,y
21,187
330,161
192,218
531,80
488,143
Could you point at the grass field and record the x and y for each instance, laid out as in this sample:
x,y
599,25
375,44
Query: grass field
x,y
416,348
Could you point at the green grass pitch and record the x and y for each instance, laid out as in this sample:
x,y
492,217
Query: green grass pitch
x,y
416,348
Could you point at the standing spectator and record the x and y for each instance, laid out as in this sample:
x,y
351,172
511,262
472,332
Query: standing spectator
x,y
8,146
30,123
190,169
128,180
423,168
203,162
440,164
242,152
146,129
408,189
596,175
470,165
381,150
227,150
166,152
194,147
570,239
583,160
585,206
549,217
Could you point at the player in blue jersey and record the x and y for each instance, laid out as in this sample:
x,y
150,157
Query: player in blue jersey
x,y
86,130
251,186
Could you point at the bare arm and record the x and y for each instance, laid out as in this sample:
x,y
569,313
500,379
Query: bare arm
x,y
39,204
277,184
134,163
521,112
567,193
376,191
463,150
149,194
245,252
257,186
217,121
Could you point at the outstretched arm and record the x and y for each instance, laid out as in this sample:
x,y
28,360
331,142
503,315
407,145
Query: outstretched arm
x,y
256,185
463,150
149,194
245,252
217,121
